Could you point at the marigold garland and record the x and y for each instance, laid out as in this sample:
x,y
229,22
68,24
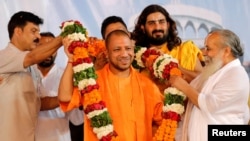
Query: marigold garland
x,y
161,67
84,78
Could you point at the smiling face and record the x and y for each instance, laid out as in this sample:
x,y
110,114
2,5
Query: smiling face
x,y
156,28
120,52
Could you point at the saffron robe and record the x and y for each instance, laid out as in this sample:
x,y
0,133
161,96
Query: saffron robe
x,y
134,103
187,54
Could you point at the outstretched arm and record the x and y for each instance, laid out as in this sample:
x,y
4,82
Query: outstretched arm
x,y
189,75
42,52
187,89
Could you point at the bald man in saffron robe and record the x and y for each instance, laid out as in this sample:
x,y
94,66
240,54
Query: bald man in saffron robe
x,y
133,100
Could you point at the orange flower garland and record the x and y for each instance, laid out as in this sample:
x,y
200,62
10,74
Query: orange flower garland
x,y
85,79
96,46
161,67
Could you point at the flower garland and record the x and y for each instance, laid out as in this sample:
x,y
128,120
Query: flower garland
x,y
84,78
162,66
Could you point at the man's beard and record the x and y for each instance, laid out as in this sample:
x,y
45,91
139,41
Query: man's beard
x,y
214,65
47,63
157,40
116,66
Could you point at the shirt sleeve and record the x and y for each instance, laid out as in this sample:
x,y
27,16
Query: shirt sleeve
x,y
12,60
225,96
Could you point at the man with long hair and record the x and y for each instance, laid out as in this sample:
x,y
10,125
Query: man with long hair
x,y
155,28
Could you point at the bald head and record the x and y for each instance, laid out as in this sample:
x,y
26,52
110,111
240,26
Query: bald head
x,y
116,33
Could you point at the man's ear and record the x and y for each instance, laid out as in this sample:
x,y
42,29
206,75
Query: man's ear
x,y
17,31
227,51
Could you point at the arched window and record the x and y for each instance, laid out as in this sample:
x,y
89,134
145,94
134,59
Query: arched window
x,y
190,30
202,31
179,29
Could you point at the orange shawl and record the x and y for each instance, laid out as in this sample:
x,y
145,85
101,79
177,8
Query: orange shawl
x,y
134,103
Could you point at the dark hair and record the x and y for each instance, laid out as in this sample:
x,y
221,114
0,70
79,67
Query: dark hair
x,y
139,35
109,20
117,32
47,34
20,19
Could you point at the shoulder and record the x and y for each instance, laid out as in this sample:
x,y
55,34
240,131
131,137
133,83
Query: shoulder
x,y
150,89
146,81
102,73
189,44
190,47
12,59
58,68
11,50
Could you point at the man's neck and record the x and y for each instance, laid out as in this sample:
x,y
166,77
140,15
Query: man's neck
x,y
118,73
45,70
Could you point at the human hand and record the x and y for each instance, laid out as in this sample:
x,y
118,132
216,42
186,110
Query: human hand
x,y
66,43
100,61
177,82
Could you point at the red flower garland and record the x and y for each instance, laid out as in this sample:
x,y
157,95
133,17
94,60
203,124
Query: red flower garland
x,y
84,78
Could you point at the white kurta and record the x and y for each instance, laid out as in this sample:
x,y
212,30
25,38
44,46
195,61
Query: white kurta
x,y
223,100
53,125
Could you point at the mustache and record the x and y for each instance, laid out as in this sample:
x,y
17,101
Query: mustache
x,y
36,40
155,31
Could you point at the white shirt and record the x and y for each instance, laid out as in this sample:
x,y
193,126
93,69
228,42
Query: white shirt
x,y
223,100
53,125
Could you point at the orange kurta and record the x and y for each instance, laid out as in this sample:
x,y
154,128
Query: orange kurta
x,y
133,103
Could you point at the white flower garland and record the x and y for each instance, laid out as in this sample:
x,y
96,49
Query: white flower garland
x,y
103,131
174,91
138,57
158,68
175,107
77,37
67,24
82,66
96,112
86,82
